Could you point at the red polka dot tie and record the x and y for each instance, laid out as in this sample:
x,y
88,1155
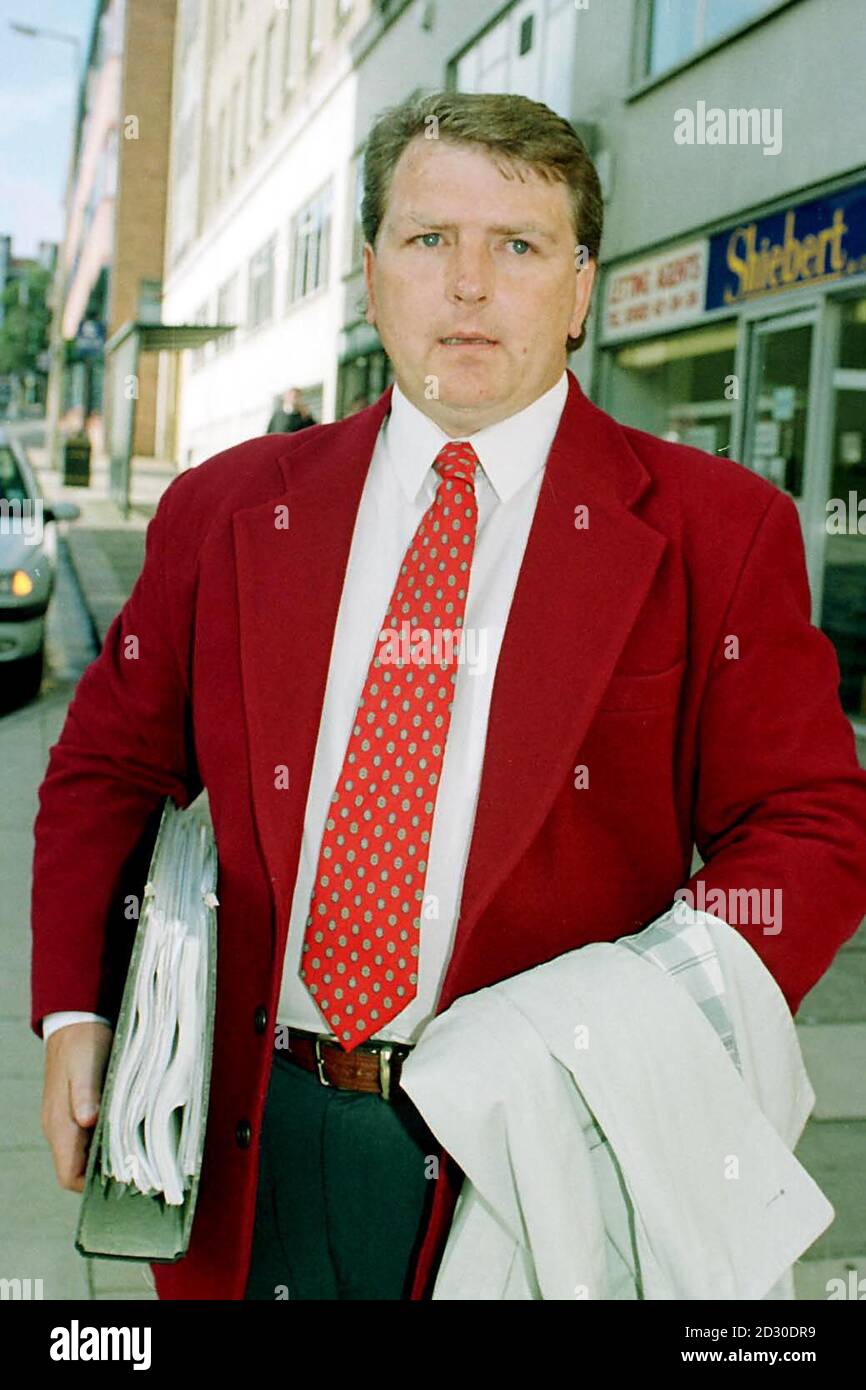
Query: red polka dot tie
x,y
363,933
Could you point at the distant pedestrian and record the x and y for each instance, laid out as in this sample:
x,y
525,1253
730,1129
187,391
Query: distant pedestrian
x,y
291,414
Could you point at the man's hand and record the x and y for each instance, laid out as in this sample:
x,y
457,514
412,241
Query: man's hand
x,y
76,1057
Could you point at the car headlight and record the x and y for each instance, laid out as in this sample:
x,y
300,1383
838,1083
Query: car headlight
x,y
21,584
25,583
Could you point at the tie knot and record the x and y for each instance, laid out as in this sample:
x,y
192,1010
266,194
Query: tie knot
x,y
457,459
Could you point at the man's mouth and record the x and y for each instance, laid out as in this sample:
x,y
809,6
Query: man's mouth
x,y
464,340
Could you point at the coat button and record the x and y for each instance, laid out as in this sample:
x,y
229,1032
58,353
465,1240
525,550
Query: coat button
x,y
260,1019
243,1134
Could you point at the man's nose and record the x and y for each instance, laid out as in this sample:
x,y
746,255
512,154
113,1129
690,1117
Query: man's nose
x,y
470,273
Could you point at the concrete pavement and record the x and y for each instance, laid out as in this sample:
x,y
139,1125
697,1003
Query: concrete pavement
x,y
38,1218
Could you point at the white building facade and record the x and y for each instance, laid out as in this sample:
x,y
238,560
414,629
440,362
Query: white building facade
x,y
262,129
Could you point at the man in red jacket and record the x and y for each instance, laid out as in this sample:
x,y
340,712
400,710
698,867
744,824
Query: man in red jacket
x,y
467,675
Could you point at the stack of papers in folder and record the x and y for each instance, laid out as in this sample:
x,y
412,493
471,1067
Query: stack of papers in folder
x,y
145,1156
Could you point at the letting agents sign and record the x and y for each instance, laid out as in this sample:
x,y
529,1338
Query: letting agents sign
x,y
656,293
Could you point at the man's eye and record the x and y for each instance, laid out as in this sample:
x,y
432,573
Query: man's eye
x,y
426,234
518,241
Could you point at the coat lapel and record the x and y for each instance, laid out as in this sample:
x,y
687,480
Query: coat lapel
x,y
577,598
289,583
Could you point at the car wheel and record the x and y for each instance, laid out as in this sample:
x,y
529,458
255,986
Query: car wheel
x,y
29,675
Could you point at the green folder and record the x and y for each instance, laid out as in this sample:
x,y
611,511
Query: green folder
x,y
116,1220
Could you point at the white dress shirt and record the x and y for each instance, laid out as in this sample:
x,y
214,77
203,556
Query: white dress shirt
x,y
400,486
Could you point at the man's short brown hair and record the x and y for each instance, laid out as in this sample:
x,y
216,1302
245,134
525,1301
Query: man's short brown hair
x,y
514,131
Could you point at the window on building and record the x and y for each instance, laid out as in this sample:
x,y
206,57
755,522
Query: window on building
x,y
843,615
260,296
207,194
227,310
309,242
252,65
219,181
233,129
183,148
109,37
188,25
289,74
529,50
315,28
675,386
356,232
269,84
114,31
679,28
197,356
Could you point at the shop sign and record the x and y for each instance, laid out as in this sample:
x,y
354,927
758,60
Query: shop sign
x,y
656,292
807,244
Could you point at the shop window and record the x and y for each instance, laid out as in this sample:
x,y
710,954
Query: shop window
x,y
843,613
678,386
361,381
775,444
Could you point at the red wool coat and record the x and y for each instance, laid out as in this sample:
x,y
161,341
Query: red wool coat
x,y
617,658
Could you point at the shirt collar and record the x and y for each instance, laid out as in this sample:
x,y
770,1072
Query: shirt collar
x,y
509,452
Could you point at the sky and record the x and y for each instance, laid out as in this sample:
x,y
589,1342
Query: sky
x,y
38,100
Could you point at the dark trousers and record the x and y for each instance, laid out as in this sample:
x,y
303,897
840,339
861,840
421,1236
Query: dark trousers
x,y
343,1191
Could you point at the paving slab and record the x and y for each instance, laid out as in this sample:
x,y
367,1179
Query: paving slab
x,y
834,1153
835,1058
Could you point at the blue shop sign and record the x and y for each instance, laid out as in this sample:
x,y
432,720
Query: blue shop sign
x,y
814,243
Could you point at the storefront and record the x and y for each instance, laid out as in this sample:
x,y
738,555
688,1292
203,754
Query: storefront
x,y
750,342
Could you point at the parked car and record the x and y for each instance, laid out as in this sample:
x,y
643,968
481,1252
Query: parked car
x,y
28,551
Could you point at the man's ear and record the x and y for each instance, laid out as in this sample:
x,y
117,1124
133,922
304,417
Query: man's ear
x,y
369,263
582,296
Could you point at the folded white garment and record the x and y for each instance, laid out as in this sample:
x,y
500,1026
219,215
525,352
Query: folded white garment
x,y
625,1116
